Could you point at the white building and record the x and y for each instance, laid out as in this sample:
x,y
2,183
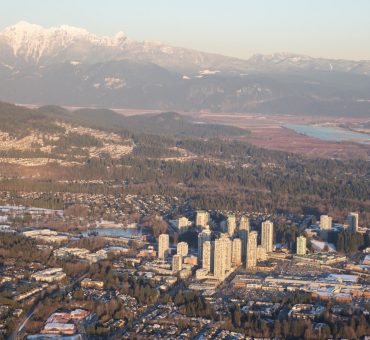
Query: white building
x,y
220,259
49,275
204,235
236,257
229,252
163,246
325,222
251,261
261,253
182,249
231,224
202,218
222,256
176,263
182,224
207,259
301,245
244,223
267,236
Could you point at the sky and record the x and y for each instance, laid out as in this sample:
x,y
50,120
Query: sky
x,y
320,28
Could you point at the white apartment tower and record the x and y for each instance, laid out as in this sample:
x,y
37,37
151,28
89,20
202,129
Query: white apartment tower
x,y
204,235
163,245
222,256
202,218
183,224
251,261
176,263
182,249
267,236
219,259
208,254
236,258
301,245
229,248
231,224
325,222
244,223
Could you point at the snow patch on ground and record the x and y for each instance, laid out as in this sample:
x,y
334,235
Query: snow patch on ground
x,y
321,245
114,83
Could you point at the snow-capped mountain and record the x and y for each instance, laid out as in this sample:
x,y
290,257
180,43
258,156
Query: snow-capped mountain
x,y
71,66
34,44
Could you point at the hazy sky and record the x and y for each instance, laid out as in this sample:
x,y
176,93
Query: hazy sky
x,y
326,28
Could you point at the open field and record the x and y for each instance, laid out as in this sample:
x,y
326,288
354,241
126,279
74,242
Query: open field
x,y
268,132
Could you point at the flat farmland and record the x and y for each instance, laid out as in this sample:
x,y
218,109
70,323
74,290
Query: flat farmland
x,y
269,132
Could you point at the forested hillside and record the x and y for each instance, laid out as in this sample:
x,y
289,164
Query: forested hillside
x,y
53,150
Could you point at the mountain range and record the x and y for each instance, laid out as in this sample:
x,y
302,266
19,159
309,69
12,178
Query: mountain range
x,y
70,66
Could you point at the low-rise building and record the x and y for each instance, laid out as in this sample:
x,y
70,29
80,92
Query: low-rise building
x,y
59,328
49,275
89,283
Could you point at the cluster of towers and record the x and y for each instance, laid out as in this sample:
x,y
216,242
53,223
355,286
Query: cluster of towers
x,y
237,244
326,222
233,247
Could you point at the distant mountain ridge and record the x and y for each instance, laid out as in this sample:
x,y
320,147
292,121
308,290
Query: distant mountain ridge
x,y
70,66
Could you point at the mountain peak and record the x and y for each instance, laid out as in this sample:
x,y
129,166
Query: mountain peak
x,y
33,42
24,25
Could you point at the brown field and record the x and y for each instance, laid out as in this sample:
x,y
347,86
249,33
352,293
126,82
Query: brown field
x,y
267,132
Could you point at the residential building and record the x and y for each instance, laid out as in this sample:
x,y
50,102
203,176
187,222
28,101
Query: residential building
x,y
204,235
222,256
219,259
325,222
231,224
202,219
236,257
244,228
267,236
251,261
49,275
89,283
207,258
176,263
244,223
163,246
301,245
261,253
193,260
229,249
182,224
182,249
352,220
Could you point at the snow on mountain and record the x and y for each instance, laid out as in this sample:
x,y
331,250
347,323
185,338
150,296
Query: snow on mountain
x,y
36,45
279,58
71,66
33,42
